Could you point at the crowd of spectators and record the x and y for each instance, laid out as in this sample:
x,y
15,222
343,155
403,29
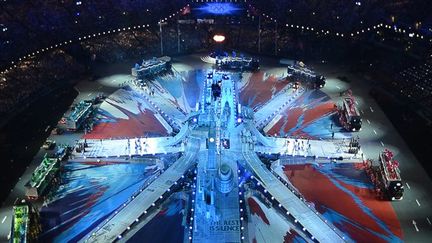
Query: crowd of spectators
x,y
345,16
35,75
26,26
415,85
406,99
130,45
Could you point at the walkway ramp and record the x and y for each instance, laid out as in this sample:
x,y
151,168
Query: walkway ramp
x,y
171,113
313,222
319,150
116,225
109,148
272,108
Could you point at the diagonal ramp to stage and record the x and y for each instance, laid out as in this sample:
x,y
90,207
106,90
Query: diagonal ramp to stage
x,y
312,221
272,108
161,104
116,225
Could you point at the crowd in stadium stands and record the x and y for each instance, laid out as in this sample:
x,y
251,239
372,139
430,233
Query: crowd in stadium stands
x,y
346,15
26,26
122,46
29,25
415,83
35,75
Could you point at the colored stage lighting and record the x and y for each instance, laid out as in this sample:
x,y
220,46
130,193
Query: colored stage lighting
x,y
219,8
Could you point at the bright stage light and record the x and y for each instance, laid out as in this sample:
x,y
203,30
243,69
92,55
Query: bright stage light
x,y
219,38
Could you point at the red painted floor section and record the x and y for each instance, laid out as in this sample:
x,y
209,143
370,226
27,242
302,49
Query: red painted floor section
x,y
333,193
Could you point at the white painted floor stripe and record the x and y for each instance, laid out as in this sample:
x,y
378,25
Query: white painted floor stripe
x,y
89,94
415,226
375,132
371,109
368,121
418,203
4,219
382,143
408,185
429,222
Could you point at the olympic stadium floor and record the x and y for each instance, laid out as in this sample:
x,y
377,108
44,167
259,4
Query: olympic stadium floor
x,y
377,134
